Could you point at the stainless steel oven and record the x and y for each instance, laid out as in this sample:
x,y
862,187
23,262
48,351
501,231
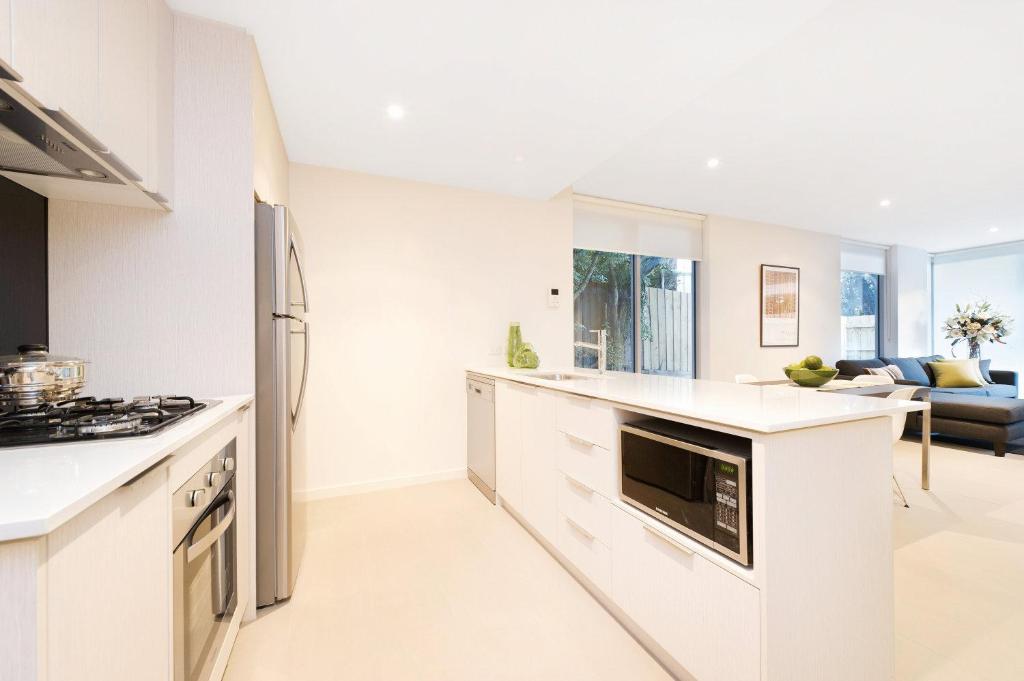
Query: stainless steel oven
x,y
205,565
697,481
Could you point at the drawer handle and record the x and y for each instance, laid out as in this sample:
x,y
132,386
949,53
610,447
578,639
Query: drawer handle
x,y
579,485
580,440
668,540
576,526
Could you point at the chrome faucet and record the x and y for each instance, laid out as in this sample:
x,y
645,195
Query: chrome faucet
x,y
601,346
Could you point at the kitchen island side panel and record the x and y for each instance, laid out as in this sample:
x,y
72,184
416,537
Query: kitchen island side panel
x,y
823,510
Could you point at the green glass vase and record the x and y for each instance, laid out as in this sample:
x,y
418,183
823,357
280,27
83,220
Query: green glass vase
x,y
515,339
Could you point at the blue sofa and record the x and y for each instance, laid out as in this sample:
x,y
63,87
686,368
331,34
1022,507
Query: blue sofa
x,y
917,372
987,414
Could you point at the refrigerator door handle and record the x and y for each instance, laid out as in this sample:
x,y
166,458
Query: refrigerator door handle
x,y
302,278
305,372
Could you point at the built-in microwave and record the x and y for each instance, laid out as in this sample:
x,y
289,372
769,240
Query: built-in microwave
x,y
695,480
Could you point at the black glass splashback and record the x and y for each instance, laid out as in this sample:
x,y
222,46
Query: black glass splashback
x,y
23,275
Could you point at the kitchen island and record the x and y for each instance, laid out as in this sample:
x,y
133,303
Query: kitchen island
x,y
86,575
815,600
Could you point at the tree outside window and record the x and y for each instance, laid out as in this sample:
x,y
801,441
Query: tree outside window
x,y
654,334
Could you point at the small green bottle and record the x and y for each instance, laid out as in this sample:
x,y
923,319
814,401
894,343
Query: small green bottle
x,y
515,339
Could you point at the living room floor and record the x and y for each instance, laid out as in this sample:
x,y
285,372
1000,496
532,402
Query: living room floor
x,y
959,566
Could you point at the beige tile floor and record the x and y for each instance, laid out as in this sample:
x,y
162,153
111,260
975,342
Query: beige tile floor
x,y
432,583
960,567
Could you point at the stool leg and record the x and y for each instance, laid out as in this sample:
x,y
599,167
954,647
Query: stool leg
x,y
899,492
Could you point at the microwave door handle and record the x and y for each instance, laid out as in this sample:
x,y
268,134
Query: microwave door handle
x,y
193,551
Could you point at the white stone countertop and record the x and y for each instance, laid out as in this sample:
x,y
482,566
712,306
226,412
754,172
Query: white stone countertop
x,y
44,486
763,409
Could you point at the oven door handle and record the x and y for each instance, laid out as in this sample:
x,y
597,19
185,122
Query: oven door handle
x,y
193,551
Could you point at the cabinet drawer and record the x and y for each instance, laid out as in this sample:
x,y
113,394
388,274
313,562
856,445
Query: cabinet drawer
x,y
581,504
588,420
583,550
588,463
706,618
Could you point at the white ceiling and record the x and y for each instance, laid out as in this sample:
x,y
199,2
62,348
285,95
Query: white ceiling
x,y
817,109
919,102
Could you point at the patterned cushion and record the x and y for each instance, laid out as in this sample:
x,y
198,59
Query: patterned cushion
x,y
891,370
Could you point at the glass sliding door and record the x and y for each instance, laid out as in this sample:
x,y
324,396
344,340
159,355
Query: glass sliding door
x,y
666,316
861,320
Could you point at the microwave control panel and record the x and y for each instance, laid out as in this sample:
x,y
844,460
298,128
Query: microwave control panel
x,y
727,503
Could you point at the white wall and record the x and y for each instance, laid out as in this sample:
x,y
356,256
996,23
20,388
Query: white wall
x,y
729,293
270,162
163,302
910,273
410,283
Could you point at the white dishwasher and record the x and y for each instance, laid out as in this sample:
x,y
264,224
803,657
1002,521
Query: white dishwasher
x,y
480,435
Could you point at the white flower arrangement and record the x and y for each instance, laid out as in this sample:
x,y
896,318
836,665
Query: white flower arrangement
x,y
978,323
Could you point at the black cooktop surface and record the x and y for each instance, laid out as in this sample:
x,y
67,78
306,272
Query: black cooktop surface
x,y
87,418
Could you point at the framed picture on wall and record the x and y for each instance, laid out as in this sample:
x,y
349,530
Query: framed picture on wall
x,y
780,306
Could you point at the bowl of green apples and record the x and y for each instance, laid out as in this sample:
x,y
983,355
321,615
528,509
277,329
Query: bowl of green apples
x,y
810,372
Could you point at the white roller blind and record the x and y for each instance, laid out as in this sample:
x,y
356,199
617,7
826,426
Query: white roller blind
x,y
858,257
604,225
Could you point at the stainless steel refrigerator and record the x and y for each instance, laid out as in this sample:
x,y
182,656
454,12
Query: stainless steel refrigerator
x,y
282,368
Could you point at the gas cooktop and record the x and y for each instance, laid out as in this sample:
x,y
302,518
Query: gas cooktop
x,y
87,418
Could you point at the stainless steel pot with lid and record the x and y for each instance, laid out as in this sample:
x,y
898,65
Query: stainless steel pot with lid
x,y
33,376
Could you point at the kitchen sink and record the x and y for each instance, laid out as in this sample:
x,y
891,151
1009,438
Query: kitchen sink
x,y
562,376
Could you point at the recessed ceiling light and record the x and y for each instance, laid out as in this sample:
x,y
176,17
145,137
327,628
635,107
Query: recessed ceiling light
x,y
885,203
518,158
713,162
89,172
993,229
395,112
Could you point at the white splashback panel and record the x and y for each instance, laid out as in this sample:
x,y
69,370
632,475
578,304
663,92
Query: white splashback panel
x,y
164,302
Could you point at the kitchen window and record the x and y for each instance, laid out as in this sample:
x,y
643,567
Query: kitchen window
x,y
861,319
646,304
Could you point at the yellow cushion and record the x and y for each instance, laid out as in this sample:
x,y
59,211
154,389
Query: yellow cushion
x,y
955,374
975,367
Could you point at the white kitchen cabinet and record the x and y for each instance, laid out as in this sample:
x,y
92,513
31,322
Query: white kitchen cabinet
x,y
160,176
707,619
123,85
585,507
539,463
508,444
109,65
55,48
108,570
588,554
5,30
588,464
588,420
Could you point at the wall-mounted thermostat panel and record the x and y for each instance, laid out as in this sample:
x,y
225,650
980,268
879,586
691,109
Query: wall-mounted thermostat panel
x,y
553,297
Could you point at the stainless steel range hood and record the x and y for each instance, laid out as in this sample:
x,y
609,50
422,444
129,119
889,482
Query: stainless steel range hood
x,y
37,141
